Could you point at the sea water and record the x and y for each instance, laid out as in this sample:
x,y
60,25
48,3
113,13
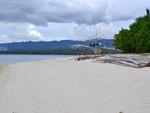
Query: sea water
x,y
11,59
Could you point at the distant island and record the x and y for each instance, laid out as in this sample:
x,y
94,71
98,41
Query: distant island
x,y
65,47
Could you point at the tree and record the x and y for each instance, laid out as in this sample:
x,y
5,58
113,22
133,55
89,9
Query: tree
x,y
148,12
136,39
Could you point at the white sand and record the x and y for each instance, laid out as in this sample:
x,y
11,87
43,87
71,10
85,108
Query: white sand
x,y
64,86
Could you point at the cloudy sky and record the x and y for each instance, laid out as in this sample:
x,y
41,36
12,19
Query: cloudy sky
x,y
46,20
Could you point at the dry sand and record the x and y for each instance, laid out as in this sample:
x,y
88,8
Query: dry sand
x,y
67,86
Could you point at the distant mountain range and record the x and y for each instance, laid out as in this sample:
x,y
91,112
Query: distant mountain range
x,y
51,47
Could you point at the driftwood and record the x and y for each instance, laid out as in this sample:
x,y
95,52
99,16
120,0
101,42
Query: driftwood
x,y
147,64
85,57
131,61
138,62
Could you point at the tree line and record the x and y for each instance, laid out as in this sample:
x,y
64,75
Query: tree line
x,y
136,39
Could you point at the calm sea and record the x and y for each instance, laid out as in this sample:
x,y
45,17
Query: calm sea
x,y
11,59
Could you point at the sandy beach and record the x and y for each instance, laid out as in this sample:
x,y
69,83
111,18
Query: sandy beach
x,y
68,86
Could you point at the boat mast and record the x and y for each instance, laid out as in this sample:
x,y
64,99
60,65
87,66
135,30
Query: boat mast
x,y
98,31
98,34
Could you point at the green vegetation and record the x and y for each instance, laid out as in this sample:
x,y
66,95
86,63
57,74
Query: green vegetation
x,y
1,70
145,54
136,39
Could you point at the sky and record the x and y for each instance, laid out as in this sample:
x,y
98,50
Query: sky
x,y
47,20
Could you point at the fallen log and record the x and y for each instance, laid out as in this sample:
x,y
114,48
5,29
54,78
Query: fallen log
x,y
141,65
85,57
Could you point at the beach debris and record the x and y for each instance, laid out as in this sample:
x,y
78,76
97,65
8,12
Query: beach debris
x,y
130,60
85,57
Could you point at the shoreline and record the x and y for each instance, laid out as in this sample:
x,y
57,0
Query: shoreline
x,y
13,59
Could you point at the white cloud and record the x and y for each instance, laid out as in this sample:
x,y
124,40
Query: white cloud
x,y
4,39
23,20
40,12
30,34
33,33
